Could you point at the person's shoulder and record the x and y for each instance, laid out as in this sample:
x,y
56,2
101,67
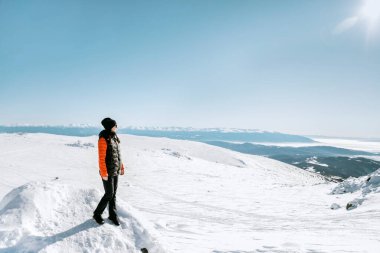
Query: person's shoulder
x,y
103,134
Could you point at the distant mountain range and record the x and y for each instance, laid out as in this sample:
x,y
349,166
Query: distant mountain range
x,y
326,160
188,133
267,150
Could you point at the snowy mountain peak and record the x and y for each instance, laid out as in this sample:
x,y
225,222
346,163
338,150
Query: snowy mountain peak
x,y
194,129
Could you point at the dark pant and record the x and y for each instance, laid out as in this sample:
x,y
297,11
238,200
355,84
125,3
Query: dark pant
x,y
110,187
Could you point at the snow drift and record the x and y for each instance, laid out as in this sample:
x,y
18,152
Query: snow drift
x,y
51,216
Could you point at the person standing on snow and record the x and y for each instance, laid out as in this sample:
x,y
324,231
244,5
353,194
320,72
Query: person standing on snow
x,y
110,167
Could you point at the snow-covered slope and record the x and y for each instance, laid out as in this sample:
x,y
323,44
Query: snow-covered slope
x,y
196,197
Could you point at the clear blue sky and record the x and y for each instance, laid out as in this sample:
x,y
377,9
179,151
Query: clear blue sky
x,y
305,67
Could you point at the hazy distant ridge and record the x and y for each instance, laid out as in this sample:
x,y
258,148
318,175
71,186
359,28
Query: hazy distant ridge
x,y
184,133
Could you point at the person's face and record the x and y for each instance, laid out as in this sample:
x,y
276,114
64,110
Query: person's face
x,y
114,128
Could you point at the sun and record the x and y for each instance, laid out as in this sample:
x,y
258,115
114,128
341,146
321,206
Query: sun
x,y
370,11
367,14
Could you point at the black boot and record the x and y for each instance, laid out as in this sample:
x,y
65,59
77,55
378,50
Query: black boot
x,y
98,218
115,220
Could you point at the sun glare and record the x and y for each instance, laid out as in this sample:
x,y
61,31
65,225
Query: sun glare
x,y
371,10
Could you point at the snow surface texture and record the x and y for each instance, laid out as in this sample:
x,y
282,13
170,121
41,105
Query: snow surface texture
x,y
188,196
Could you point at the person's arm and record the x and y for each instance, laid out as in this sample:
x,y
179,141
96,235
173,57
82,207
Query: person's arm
x,y
122,169
102,151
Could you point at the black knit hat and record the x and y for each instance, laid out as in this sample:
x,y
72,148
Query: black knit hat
x,y
108,123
